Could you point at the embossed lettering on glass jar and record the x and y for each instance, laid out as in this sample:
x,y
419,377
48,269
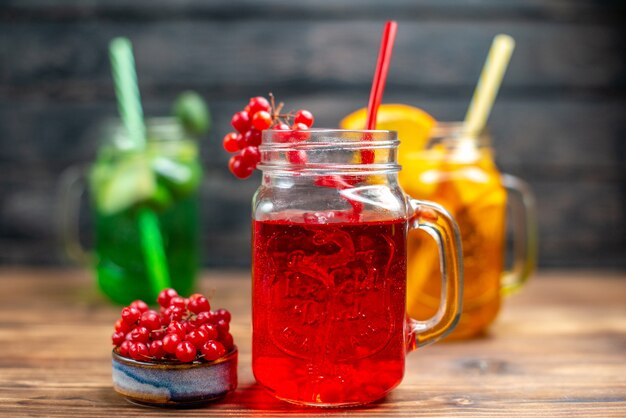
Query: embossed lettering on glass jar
x,y
329,268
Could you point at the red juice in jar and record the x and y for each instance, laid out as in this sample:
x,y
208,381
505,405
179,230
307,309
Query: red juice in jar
x,y
328,304
329,268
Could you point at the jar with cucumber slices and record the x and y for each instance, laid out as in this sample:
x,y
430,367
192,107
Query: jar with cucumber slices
x,y
165,176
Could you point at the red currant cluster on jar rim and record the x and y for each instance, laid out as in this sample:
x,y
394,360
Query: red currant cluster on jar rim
x,y
259,115
183,330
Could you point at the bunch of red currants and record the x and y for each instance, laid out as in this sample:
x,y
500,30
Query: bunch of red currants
x,y
184,330
259,115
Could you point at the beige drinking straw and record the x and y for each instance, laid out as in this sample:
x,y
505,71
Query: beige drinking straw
x,y
489,83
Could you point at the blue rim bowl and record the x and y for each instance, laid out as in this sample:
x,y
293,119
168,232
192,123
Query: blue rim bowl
x,y
174,384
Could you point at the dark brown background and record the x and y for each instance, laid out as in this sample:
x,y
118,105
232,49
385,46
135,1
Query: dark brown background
x,y
559,123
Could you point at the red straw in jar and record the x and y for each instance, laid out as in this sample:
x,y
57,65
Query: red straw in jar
x,y
376,95
378,84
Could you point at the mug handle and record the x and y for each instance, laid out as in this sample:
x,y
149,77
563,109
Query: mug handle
x,y
439,224
522,205
71,188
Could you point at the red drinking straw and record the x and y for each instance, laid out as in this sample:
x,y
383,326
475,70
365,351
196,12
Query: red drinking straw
x,y
378,84
376,95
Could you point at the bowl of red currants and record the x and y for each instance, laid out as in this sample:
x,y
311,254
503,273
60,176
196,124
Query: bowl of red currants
x,y
181,355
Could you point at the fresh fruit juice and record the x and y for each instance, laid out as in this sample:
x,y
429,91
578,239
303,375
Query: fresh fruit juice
x,y
164,177
468,185
327,303
120,266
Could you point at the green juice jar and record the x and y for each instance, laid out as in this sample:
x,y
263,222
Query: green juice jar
x,y
165,177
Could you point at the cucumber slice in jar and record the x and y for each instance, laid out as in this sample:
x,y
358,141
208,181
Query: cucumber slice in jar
x,y
181,178
118,185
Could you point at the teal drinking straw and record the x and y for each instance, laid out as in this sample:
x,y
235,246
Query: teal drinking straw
x,y
129,106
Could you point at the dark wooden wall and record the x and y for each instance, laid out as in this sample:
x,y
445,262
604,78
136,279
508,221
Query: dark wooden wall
x,y
559,123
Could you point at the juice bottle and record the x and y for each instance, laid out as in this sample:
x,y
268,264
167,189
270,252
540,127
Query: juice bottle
x,y
457,170
329,268
165,177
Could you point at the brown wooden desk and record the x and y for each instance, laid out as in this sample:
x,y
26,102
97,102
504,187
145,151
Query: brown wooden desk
x,y
558,349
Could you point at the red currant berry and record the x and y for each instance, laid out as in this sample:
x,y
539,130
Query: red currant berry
x,y
281,126
210,330
222,326
251,156
282,136
223,314
165,318
170,342
199,304
241,140
296,157
157,334
185,352
175,313
121,326
178,301
138,351
124,347
156,349
130,315
177,328
189,326
150,320
299,126
261,120
299,132
140,305
197,337
231,142
195,296
203,318
212,350
214,318
241,122
139,335
305,117
165,296
257,104
227,340
118,338
253,137
239,168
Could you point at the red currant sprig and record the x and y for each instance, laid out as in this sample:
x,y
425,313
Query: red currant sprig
x,y
258,115
184,330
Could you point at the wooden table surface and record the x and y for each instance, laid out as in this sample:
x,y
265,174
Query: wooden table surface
x,y
557,349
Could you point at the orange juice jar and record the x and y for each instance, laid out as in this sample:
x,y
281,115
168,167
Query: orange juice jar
x,y
457,170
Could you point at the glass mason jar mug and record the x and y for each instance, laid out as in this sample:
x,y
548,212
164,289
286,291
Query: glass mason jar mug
x,y
457,170
329,262
164,177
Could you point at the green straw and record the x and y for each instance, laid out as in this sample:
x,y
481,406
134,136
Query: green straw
x,y
129,106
